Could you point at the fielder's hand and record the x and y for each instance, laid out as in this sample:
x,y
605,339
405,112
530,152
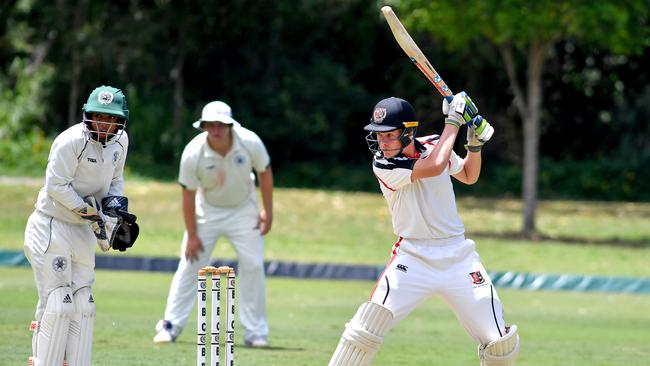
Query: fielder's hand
x,y
479,131
192,248
103,226
459,110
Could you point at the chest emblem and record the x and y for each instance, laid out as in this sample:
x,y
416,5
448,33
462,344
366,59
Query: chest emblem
x,y
116,157
240,160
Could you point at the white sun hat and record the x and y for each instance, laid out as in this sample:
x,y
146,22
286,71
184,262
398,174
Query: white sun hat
x,y
216,111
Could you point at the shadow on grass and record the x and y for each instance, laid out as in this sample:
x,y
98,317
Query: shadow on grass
x,y
513,235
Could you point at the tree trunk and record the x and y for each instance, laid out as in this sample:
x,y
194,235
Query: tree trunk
x,y
529,106
178,89
73,97
75,73
536,57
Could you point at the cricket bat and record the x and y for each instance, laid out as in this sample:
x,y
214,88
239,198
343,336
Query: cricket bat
x,y
413,51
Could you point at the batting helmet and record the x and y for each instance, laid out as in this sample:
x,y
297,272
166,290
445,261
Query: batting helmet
x,y
388,115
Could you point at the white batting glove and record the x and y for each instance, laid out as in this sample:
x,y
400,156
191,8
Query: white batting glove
x,y
479,131
459,110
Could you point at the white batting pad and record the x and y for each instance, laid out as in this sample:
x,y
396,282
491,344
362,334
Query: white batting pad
x,y
363,336
502,352
78,350
52,330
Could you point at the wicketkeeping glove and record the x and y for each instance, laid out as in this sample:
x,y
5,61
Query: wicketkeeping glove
x,y
459,110
479,131
104,226
129,230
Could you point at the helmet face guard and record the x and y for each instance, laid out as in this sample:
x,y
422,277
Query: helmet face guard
x,y
103,131
108,101
405,138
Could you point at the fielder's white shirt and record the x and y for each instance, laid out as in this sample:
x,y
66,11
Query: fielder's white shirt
x,y
425,208
223,181
78,167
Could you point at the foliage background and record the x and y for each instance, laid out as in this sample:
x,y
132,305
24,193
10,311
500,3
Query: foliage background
x,y
304,75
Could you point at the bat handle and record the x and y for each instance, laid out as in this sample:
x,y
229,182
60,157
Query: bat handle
x,y
449,98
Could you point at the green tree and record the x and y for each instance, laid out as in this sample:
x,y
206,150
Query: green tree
x,y
524,34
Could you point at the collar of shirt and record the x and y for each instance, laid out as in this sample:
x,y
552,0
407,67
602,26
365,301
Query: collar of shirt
x,y
236,145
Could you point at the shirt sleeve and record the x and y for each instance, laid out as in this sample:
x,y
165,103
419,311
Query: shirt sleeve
x,y
117,183
260,159
456,163
62,164
393,174
187,174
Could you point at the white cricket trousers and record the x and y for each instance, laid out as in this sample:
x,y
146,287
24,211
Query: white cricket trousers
x,y
239,227
450,268
61,254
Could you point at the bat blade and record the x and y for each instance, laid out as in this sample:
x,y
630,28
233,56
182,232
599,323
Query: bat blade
x,y
412,50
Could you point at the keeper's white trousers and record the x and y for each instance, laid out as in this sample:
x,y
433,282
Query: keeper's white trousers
x,y
450,268
239,226
61,254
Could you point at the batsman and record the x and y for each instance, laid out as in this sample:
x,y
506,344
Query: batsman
x,y
431,256
84,168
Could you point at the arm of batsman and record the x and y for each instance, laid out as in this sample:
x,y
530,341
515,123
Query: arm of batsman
x,y
459,110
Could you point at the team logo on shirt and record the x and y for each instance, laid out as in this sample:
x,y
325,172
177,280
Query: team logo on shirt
x,y
116,157
477,278
92,160
59,264
240,160
105,97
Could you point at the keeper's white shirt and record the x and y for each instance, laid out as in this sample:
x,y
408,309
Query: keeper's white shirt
x,y
78,167
425,208
223,181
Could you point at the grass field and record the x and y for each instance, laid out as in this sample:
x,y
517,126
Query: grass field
x,y
340,227
307,316
306,319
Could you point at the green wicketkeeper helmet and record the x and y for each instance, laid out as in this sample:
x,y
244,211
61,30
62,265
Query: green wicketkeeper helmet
x,y
107,100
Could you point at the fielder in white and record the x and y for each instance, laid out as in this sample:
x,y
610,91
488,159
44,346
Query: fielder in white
x,y
219,200
432,255
84,168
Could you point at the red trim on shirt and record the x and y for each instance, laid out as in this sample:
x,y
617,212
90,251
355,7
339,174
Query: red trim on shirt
x,y
384,183
393,256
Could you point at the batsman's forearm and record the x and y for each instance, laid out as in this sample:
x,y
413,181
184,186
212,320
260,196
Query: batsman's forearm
x,y
442,151
472,167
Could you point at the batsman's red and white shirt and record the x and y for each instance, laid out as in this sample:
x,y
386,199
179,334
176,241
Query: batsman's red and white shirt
x,y
426,208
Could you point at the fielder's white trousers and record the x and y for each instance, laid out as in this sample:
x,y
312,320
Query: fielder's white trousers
x,y
450,268
238,225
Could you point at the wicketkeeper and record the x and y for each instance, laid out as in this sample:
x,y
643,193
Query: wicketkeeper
x,y
84,169
431,255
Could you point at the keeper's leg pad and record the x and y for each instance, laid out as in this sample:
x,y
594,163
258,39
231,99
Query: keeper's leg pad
x,y
502,352
78,350
51,331
363,336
